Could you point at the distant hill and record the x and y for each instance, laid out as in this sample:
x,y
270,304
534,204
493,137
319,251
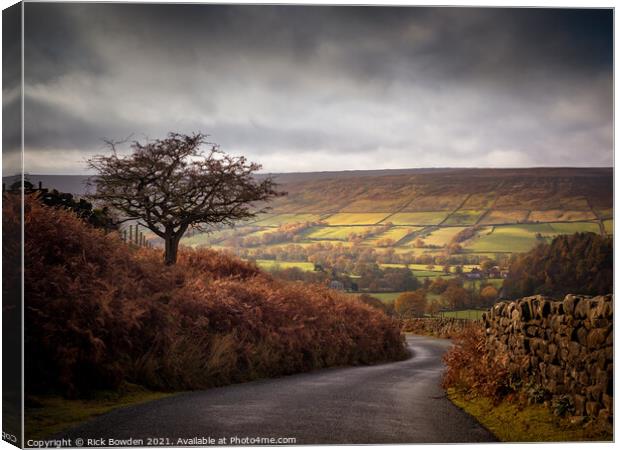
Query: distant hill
x,y
412,216
73,184
415,190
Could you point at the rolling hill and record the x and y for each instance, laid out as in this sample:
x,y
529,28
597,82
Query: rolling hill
x,y
421,211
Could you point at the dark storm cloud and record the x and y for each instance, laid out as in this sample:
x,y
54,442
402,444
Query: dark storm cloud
x,y
323,88
11,90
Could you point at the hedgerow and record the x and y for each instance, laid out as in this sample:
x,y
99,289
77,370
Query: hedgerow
x,y
99,312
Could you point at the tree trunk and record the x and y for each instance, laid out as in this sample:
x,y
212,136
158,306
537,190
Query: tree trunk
x,y
171,250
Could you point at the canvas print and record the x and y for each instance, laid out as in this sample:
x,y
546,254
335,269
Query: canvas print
x,y
306,225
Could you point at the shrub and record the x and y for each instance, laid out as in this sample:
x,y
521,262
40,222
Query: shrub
x,y
562,406
99,312
411,304
470,368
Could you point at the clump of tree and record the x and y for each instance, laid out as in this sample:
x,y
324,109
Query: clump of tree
x,y
168,185
100,218
385,242
97,217
411,304
377,303
345,257
453,294
374,278
465,234
581,263
489,294
456,296
297,274
439,285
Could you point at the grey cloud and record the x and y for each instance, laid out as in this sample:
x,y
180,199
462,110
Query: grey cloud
x,y
384,87
11,90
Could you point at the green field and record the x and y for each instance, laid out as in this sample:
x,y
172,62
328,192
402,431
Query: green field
x,y
430,274
560,215
260,232
275,220
442,236
386,297
417,218
423,271
500,216
464,217
523,237
466,267
425,267
308,243
269,264
475,284
574,227
606,213
207,239
394,233
508,238
609,226
355,218
337,233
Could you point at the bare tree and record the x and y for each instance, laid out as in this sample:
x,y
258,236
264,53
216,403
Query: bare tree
x,y
168,185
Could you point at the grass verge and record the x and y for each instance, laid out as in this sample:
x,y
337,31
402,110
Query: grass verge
x,y
51,414
513,422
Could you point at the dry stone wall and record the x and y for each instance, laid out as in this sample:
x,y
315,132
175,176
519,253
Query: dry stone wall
x,y
440,327
564,346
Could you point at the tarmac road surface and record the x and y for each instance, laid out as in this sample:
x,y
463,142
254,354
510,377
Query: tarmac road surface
x,y
398,402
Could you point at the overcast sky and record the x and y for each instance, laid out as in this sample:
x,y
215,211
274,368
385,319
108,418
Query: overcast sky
x,y
322,88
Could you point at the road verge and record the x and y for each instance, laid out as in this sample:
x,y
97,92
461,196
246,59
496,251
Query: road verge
x,y
512,421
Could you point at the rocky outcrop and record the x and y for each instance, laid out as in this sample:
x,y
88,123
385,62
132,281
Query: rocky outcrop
x,y
566,347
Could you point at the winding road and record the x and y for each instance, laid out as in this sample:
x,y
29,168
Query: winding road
x,y
399,402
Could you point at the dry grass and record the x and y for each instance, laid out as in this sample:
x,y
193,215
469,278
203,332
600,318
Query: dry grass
x,y
511,421
498,216
50,414
560,215
99,314
469,367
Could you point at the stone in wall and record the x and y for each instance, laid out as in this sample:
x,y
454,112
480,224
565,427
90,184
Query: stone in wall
x,y
564,346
